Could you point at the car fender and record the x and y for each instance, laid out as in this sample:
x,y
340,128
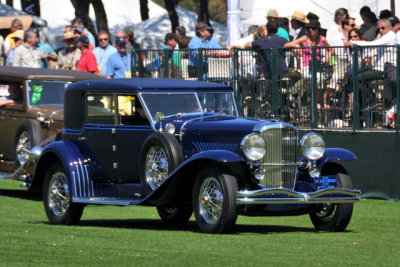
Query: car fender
x,y
80,168
334,154
220,157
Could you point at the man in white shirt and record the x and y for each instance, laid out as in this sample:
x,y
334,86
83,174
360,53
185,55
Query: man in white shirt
x,y
27,54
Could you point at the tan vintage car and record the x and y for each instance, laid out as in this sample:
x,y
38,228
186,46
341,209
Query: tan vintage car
x,y
37,112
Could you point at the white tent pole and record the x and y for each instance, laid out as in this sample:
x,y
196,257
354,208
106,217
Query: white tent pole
x,y
233,21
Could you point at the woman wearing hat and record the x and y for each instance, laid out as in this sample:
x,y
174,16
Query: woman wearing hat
x,y
69,56
311,39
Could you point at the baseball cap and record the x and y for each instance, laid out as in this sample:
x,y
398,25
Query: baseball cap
x,y
18,35
120,41
83,39
78,29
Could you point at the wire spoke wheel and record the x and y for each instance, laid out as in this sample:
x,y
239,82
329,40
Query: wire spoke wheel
x,y
156,166
210,200
23,147
59,195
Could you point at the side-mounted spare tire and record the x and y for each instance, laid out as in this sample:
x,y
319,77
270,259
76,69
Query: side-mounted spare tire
x,y
161,154
28,135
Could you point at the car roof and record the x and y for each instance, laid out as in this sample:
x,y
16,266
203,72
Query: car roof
x,y
147,84
45,74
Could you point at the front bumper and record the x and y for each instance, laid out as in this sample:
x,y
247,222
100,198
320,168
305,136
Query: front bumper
x,y
286,196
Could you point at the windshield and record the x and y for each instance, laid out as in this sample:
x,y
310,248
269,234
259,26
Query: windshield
x,y
221,103
171,104
46,92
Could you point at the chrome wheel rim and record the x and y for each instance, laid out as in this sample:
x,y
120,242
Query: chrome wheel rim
x,y
326,212
156,166
23,147
59,195
211,200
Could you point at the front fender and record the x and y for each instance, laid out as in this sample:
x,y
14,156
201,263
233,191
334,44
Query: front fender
x,y
335,154
188,167
80,168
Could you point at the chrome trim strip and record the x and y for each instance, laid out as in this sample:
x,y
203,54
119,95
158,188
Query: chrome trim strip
x,y
292,197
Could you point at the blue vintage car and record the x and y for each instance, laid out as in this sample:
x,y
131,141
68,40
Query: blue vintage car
x,y
181,146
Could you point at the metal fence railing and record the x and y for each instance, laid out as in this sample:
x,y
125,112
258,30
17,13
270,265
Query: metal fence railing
x,y
355,88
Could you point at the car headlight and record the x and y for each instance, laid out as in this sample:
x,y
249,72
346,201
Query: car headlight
x,y
170,128
253,146
312,146
40,116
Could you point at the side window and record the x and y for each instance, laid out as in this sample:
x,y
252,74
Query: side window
x,y
100,109
131,111
11,93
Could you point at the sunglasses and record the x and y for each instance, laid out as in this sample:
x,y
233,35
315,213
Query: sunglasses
x,y
382,28
352,25
312,28
104,39
354,36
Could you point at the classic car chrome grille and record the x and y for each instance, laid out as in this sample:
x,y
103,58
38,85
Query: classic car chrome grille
x,y
279,162
204,146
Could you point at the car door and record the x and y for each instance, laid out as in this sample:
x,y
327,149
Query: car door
x,y
98,131
132,131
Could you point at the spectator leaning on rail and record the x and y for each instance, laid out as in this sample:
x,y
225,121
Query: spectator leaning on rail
x,y
70,55
103,52
381,55
203,39
265,55
87,62
27,54
119,63
183,40
131,45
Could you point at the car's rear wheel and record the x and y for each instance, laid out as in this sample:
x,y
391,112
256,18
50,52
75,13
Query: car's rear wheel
x,y
334,217
175,214
57,197
28,135
214,200
160,155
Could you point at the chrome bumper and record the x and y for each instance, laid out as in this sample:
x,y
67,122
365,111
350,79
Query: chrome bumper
x,y
286,196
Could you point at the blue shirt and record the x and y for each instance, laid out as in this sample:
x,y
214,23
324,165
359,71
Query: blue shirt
x,y
102,55
195,43
92,41
45,48
118,65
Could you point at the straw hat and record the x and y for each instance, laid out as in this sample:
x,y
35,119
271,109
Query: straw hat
x,y
68,35
272,13
299,16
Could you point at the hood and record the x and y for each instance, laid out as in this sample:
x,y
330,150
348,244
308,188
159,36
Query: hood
x,y
215,124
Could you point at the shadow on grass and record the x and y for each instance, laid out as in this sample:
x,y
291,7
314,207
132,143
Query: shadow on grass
x,y
23,194
158,224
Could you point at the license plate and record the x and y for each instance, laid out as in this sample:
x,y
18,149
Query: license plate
x,y
323,182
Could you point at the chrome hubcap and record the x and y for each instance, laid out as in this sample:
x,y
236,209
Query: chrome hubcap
x,y
59,195
326,212
23,147
211,200
156,166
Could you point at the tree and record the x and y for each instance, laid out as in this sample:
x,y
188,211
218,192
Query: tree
x,y
144,10
202,14
10,3
82,12
173,16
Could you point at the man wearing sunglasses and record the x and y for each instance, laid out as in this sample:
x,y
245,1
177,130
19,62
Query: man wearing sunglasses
x,y
103,52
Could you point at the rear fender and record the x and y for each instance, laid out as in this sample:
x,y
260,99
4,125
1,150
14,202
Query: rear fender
x,y
80,168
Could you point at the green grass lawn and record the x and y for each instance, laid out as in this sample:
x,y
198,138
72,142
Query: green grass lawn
x,y
128,236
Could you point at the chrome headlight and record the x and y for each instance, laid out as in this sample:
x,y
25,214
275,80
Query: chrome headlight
x,y
170,128
312,146
253,146
40,116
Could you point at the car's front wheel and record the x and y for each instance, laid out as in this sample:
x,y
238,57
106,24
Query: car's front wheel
x,y
214,200
334,217
28,135
57,197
